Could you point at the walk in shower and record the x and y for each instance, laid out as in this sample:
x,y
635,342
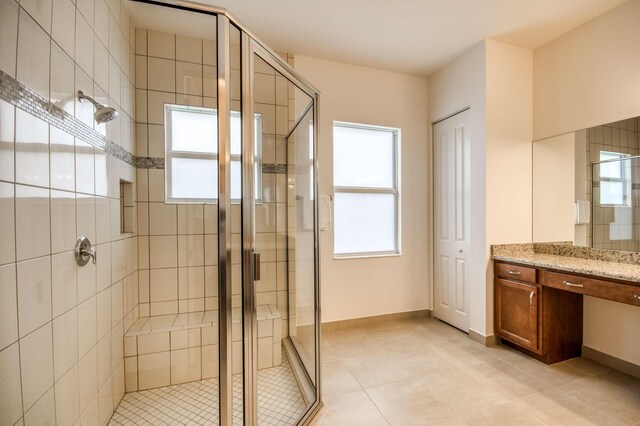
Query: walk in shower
x,y
228,324
180,152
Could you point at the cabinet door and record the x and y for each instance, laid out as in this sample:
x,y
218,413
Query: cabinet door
x,y
516,312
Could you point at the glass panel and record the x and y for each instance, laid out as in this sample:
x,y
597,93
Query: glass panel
x,y
194,178
611,193
193,129
615,202
611,169
176,286
361,157
285,296
364,223
302,251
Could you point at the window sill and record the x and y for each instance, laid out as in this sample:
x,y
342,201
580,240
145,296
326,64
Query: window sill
x,y
365,256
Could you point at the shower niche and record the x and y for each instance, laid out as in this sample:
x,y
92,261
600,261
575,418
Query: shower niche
x,y
227,325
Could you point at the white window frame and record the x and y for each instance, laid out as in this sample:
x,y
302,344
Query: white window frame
x,y
395,191
170,154
624,179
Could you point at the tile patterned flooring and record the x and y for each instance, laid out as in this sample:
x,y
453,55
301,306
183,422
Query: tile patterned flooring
x,y
279,401
418,372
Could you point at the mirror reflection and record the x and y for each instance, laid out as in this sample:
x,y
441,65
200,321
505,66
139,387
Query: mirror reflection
x,y
586,187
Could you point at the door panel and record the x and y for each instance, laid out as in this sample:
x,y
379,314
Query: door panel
x,y
285,336
452,220
517,312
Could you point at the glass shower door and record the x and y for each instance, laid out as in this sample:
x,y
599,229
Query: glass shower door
x,y
285,291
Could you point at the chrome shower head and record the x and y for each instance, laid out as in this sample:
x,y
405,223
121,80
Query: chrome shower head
x,y
103,113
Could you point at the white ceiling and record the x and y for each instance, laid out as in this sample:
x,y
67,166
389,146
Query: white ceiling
x,y
411,36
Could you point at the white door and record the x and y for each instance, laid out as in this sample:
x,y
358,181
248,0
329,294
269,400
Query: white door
x,y
451,146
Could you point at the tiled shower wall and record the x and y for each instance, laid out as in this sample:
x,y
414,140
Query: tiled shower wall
x,y
178,248
61,325
178,242
623,137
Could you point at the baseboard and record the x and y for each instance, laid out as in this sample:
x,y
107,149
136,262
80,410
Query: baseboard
x,y
611,361
374,320
482,339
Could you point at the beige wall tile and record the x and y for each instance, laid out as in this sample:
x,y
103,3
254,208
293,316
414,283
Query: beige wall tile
x,y
65,342
190,250
42,411
161,75
87,378
163,252
161,45
186,365
10,386
188,49
87,333
7,225
33,52
154,342
67,397
36,365
8,33
188,78
191,282
34,294
8,306
209,361
154,370
163,285
32,150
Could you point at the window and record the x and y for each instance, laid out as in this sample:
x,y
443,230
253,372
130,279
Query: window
x,y
191,143
615,179
366,187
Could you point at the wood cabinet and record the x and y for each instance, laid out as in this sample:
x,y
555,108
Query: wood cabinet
x,y
543,322
516,305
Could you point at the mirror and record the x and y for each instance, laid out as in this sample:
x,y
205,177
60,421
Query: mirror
x,y
586,187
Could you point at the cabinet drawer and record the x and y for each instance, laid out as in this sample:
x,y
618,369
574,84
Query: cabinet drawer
x,y
618,292
513,272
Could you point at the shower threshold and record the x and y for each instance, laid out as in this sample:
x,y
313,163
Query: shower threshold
x,y
280,401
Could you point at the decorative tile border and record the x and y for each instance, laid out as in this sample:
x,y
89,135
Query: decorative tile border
x,y
148,162
274,168
25,98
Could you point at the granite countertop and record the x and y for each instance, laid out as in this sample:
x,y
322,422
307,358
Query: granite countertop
x,y
597,268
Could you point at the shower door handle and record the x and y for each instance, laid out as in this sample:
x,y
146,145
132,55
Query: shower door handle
x,y
256,266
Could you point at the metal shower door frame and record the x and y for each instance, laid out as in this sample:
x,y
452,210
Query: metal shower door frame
x,y
250,46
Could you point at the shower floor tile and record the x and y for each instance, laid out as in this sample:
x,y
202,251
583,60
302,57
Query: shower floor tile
x,y
279,401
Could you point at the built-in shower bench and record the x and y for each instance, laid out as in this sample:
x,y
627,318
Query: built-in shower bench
x,y
166,350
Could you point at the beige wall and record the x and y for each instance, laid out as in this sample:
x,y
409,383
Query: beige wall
x,y
508,158
462,85
589,76
485,79
373,286
554,189
585,78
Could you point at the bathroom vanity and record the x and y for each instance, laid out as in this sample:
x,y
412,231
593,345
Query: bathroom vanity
x,y
538,295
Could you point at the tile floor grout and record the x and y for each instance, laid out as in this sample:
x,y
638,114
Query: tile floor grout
x,y
279,401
